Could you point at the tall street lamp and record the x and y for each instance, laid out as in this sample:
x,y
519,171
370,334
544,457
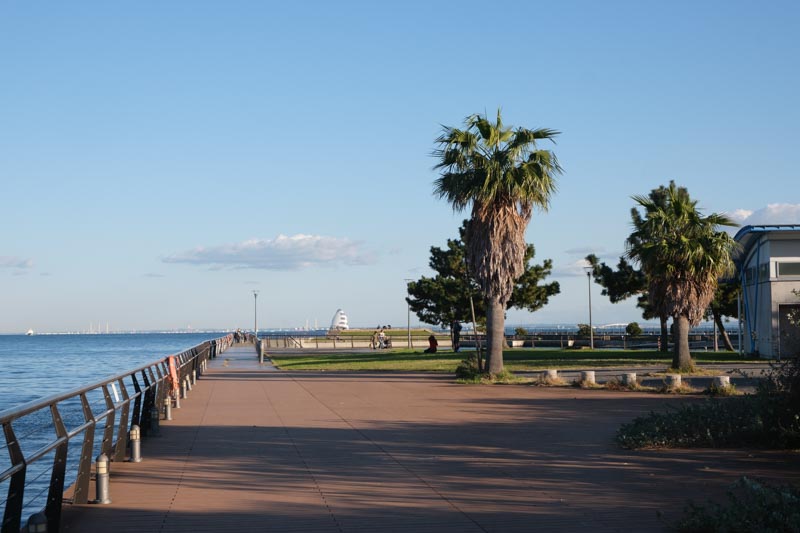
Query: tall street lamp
x,y
255,313
589,270
409,313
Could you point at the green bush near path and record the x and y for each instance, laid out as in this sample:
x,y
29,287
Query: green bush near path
x,y
751,506
517,360
768,419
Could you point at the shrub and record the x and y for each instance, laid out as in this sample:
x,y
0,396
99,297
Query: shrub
x,y
768,419
724,390
468,369
729,422
633,329
751,506
584,329
549,382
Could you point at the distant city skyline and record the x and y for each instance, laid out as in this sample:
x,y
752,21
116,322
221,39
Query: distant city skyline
x,y
162,160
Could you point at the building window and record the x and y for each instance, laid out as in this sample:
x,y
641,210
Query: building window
x,y
749,275
789,269
751,272
763,272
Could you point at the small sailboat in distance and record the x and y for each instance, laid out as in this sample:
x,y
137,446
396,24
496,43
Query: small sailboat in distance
x,y
29,333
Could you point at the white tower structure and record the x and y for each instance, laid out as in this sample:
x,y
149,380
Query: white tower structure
x,y
339,320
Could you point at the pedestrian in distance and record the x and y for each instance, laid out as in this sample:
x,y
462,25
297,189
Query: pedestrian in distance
x,y
433,344
374,343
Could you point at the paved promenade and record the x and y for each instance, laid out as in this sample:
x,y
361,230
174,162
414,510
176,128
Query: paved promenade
x,y
253,449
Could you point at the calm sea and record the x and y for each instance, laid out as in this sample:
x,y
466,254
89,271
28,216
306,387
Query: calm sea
x,y
40,365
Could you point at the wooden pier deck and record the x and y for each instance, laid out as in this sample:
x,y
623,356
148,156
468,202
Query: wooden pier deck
x,y
252,449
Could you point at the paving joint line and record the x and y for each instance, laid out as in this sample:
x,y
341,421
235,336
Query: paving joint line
x,y
393,458
303,459
184,467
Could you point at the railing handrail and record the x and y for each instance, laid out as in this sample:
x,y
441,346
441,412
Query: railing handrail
x,y
40,403
152,386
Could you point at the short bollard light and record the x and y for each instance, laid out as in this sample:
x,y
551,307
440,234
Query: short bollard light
x,y
194,377
101,480
167,408
136,444
184,391
37,523
154,429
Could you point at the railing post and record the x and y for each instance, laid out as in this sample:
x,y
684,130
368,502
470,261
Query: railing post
x,y
168,407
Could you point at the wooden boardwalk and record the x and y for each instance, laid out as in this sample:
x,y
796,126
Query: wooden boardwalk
x,y
252,449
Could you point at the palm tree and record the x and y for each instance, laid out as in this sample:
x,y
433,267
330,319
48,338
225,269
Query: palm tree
x,y
683,255
502,174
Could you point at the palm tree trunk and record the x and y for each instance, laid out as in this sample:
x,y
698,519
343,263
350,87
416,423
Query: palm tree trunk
x,y
682,357
495,335
664,334
725,339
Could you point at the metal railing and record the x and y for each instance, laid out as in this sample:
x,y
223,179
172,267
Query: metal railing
x,y
48,426
345,341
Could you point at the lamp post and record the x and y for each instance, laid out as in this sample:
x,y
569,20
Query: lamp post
x,y
255,314
409,313
588,270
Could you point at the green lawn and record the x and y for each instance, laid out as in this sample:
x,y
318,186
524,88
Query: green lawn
x,y
518,360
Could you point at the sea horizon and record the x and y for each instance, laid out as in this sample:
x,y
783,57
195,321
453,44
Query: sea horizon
x,y
510,328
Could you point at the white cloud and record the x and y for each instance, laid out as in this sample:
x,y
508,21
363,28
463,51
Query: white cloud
x,y
15,262
294,252
740,215
769,215
571,270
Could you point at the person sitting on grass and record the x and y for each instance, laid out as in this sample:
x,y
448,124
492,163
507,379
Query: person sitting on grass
x,y
432,344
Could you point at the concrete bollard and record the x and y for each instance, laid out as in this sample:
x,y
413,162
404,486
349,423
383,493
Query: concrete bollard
x,y
194,377
628,379
136,444
168,408
101,479
673,381
188,380
184,392
550,374
721,381
587,377
37,522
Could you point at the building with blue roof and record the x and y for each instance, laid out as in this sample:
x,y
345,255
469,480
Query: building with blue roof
x,y
768,267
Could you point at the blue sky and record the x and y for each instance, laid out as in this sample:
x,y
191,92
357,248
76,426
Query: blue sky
x,y
161,160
